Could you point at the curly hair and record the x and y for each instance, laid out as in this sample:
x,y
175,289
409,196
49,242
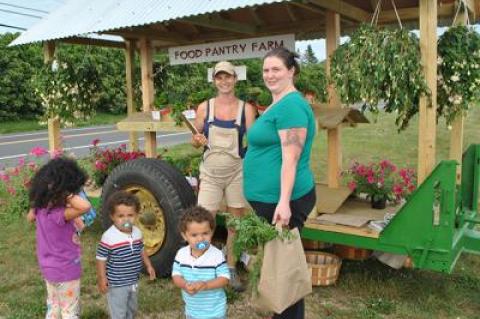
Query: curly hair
x,y
196,214
121,198
55,181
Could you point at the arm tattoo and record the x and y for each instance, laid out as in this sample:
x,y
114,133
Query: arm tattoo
x,y
293,138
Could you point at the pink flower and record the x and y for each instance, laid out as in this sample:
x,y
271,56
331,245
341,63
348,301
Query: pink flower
x,y
11,190
57,153
397,190
38,151
21,161
352,185
95,142
100,165
4,177
370,179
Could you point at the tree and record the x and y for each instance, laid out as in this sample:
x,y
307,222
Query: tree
x,y
309,56
17,68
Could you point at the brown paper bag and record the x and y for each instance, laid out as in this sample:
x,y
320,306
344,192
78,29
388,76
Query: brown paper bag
x,y
284,277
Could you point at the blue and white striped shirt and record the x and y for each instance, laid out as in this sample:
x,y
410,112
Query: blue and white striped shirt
x,y
204,304
123,253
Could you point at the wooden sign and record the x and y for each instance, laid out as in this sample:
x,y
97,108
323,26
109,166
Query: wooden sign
x,y
229,50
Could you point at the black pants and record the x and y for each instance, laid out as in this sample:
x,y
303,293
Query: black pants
x,y
300,208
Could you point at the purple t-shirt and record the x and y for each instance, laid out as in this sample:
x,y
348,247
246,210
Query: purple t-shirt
x,y
58,249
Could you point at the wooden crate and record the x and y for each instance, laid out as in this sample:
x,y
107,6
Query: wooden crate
x,y
351,253
324,267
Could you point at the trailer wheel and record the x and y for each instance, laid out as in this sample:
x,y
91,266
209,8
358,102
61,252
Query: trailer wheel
x,y
163,193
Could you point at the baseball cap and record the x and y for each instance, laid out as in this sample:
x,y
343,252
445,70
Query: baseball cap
x,y
224,66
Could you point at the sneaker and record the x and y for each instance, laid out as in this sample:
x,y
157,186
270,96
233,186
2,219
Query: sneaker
x,y
235,282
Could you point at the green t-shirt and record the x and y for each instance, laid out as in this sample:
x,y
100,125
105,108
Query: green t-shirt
x,y
263,161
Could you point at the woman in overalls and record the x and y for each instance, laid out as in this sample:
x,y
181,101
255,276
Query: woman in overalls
x,y
222,122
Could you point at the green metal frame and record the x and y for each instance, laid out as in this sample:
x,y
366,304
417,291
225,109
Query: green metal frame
x,y
435,226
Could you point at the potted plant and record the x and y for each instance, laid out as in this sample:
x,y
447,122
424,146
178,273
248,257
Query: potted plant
x,y
381,182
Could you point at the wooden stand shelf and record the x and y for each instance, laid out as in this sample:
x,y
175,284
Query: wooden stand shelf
x,y
353,211
332,117
143,122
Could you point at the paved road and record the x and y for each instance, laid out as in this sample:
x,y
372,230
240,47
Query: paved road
x,y
76,140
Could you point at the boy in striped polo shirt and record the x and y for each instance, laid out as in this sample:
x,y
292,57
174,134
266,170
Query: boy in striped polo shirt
x,y
200,269
120,255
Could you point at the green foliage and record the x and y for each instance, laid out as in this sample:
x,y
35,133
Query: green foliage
x,y
458,71
188,165
15,183
251,234
381,65
104,160
67,89
312,78
17,66
22,71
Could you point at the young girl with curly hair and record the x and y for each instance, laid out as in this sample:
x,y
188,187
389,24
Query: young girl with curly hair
x,y
55,204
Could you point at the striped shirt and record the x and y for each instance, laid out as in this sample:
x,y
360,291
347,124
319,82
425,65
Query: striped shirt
x,y
123,253
204,304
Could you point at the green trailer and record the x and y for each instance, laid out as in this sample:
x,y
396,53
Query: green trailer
x,y
435,226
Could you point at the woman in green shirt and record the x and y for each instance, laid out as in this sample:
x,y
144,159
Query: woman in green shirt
x,y
278,181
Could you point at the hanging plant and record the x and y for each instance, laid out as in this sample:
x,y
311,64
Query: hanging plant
x,y
458,72
380,65
67,91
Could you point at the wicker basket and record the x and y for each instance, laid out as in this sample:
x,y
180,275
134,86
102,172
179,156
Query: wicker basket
x,y
351,253
314,244
324,267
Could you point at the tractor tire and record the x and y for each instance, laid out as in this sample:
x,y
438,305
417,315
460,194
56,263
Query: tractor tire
x,y
164,193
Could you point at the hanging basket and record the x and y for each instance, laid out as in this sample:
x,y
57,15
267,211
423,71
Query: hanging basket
x,y
324,267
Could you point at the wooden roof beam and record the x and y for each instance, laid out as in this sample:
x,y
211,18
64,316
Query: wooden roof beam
x,y
255,16
96,42
170,37
217,22
445,10
309,8
471,7
343,8
290,12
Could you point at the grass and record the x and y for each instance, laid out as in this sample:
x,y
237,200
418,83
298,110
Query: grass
x,y
365,290
33,125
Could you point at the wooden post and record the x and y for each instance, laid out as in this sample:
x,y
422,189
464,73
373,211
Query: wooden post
x,y
146,64
54,137
333,135
456,134
427,116
129,73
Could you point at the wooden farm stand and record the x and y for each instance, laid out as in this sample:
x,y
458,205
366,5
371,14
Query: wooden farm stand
x,y
433,228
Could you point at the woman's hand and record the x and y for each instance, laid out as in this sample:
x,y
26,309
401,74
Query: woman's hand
x,y
199,140
282,214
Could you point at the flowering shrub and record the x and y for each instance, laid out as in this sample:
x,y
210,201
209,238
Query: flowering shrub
x,y
15,182
104,160
458,71
381,180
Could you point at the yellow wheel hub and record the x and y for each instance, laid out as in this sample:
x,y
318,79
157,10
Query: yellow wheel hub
x,y
150,219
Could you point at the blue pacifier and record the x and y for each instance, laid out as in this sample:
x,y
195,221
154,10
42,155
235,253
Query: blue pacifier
x,y
127,225
202,245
